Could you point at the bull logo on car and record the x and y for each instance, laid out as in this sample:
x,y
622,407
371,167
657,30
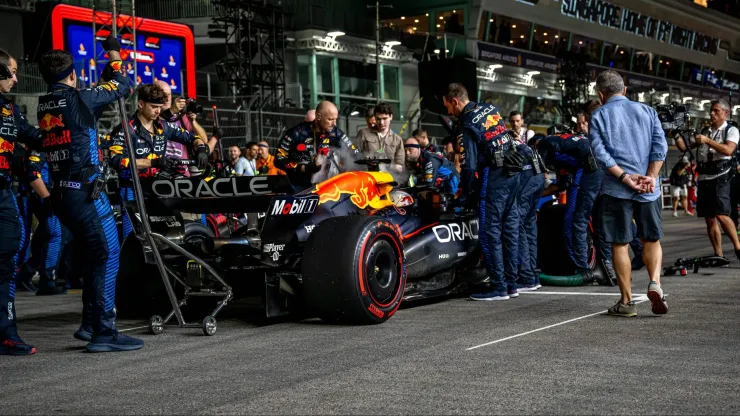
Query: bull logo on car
x,y
366,189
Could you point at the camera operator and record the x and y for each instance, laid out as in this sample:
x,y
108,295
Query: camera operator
x,y
716,168
679,180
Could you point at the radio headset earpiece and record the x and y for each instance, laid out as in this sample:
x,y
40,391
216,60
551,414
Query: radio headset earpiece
x,y
5,72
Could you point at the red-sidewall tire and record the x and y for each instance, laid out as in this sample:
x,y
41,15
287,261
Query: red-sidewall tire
x,y
354,270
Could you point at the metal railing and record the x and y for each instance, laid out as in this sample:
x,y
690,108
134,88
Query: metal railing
x,y
29,79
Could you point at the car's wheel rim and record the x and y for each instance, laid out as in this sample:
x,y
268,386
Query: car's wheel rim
x,y
381,271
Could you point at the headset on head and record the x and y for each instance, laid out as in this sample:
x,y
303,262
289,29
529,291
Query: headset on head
x,y
5,72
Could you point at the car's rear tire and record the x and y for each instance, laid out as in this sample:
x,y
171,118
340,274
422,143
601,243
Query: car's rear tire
x,y
354,270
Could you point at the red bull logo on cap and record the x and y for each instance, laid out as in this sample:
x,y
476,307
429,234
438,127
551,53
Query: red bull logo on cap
x,y
49,122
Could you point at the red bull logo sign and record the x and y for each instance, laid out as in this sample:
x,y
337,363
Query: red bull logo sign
x,y
366,189
49,122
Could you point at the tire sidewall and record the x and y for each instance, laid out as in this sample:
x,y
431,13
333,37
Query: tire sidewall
x,y
373,232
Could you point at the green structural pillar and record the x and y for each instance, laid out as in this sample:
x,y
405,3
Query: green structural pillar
x,y
312,81
399,80
382,82
335,79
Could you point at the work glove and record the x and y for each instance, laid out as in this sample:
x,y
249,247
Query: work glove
x,y
111,44
218,133
514,161
164,163
201,156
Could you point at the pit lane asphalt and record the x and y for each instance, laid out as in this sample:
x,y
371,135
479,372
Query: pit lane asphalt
x,y
418,362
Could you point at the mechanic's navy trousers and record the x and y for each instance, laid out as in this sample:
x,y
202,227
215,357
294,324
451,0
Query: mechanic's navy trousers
x,y
499,227
603,248
11,240
49,239
26,213
91,223
127,195
581,198
531,186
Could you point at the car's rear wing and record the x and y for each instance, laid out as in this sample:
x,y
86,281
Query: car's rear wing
x,y
242,194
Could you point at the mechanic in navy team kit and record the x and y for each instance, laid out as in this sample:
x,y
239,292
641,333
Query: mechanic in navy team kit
x,y
78,196
49,237
531,185
421,136
13,128
150,135
23,193
487,149
298,149
570,156
430,169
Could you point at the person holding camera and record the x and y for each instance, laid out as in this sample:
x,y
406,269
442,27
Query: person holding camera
x,y
679,180
716,168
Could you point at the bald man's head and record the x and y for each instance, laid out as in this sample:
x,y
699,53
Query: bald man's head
x,y
413,149
326,116
167,93
310,116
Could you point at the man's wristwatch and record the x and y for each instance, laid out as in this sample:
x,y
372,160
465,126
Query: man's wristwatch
x,y
621,177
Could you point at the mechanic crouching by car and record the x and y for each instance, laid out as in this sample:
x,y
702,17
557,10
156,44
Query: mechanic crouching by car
x,y
570,156
68,118
430,169
151,135
298,149
487,149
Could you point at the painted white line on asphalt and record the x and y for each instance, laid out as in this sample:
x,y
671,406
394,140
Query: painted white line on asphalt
x,y
549,326
134,328
537,292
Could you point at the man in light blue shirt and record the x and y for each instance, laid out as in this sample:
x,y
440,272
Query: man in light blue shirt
x,y
628,143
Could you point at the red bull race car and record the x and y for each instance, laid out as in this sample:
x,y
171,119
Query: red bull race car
x,y
350,249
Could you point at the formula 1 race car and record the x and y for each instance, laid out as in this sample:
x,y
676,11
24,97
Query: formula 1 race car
x,y
349,249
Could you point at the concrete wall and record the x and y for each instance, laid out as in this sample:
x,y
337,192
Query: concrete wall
x,y
547,13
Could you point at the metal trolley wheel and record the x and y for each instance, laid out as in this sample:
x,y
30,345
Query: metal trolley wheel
x,y
209,325
156,325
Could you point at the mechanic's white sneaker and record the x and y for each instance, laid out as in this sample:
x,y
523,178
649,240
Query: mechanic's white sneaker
x,y
528,288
